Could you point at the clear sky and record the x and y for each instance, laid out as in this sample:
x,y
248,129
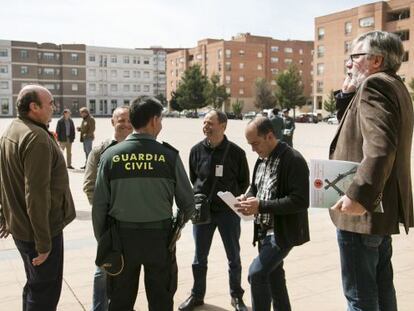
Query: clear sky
x,y
167,23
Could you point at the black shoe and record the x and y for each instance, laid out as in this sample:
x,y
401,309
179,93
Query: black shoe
x,y
190,303
70,167
83,167
238,304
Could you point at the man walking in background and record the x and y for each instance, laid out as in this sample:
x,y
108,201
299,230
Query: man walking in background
x,y
65,131
87,130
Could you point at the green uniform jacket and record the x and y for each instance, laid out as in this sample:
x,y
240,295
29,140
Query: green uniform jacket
x,y
137,181
35,198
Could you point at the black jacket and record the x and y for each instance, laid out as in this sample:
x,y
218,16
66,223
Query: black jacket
x,y
290,206
203,161
61,130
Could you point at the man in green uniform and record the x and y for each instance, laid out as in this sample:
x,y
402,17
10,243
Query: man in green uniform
x,y
137,182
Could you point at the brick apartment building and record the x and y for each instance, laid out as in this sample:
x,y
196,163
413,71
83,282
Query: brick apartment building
x,y
78,75
334,34
240,61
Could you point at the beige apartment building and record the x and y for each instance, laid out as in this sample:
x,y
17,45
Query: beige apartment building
x,y
334,34
240,61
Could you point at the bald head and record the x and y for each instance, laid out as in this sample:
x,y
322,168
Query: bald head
x,y
31,93
262,125
121,123
261,137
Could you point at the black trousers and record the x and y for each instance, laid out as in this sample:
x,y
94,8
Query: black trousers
x,y
44,282
148,248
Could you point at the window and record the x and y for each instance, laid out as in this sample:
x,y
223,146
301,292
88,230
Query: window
x,y
92,105
321,33
241,65
114,73
137,88
3,53
274,60
4,85
126,102
92,72
259,67
348,28
48,56
146,75
219,52
146,61
347,46
92,87
137,74
74,57
24,54
228,79
403,34
288,61
114,88
228,66
399,15
4,69
288,50
126,74
74,71
74,87
146,88
49,86
241,78
274,71
136,60
405,56
126,59
301,51
241,53
320,69
241,91
366,22
126,88
320,51
114,104
92,58
48,71
24,70
274,48
5,106
318,102
259,54
228,90
319,86
228,53
114,59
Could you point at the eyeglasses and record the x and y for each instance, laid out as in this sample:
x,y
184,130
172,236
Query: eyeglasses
x,y
356,56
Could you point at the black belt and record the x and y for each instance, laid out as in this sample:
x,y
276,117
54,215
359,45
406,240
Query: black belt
x,y
162,224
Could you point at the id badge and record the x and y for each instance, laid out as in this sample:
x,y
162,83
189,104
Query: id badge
x,y
219,170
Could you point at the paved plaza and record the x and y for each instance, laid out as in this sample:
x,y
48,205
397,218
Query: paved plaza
x,y
312,270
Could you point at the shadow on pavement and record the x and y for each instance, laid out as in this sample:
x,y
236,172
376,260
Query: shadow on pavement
x,y
83,215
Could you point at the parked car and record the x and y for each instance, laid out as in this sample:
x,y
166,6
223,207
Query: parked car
x,y
333,120
249,115
306,118
192,114
171,114
232,116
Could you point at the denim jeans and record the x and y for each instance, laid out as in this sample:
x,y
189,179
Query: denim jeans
x,y
228,224
100,297
44,283
267,277
367,275
87,146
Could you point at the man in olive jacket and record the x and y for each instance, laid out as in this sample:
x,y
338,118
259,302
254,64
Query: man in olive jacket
x,y
35,199
87,132
375,131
